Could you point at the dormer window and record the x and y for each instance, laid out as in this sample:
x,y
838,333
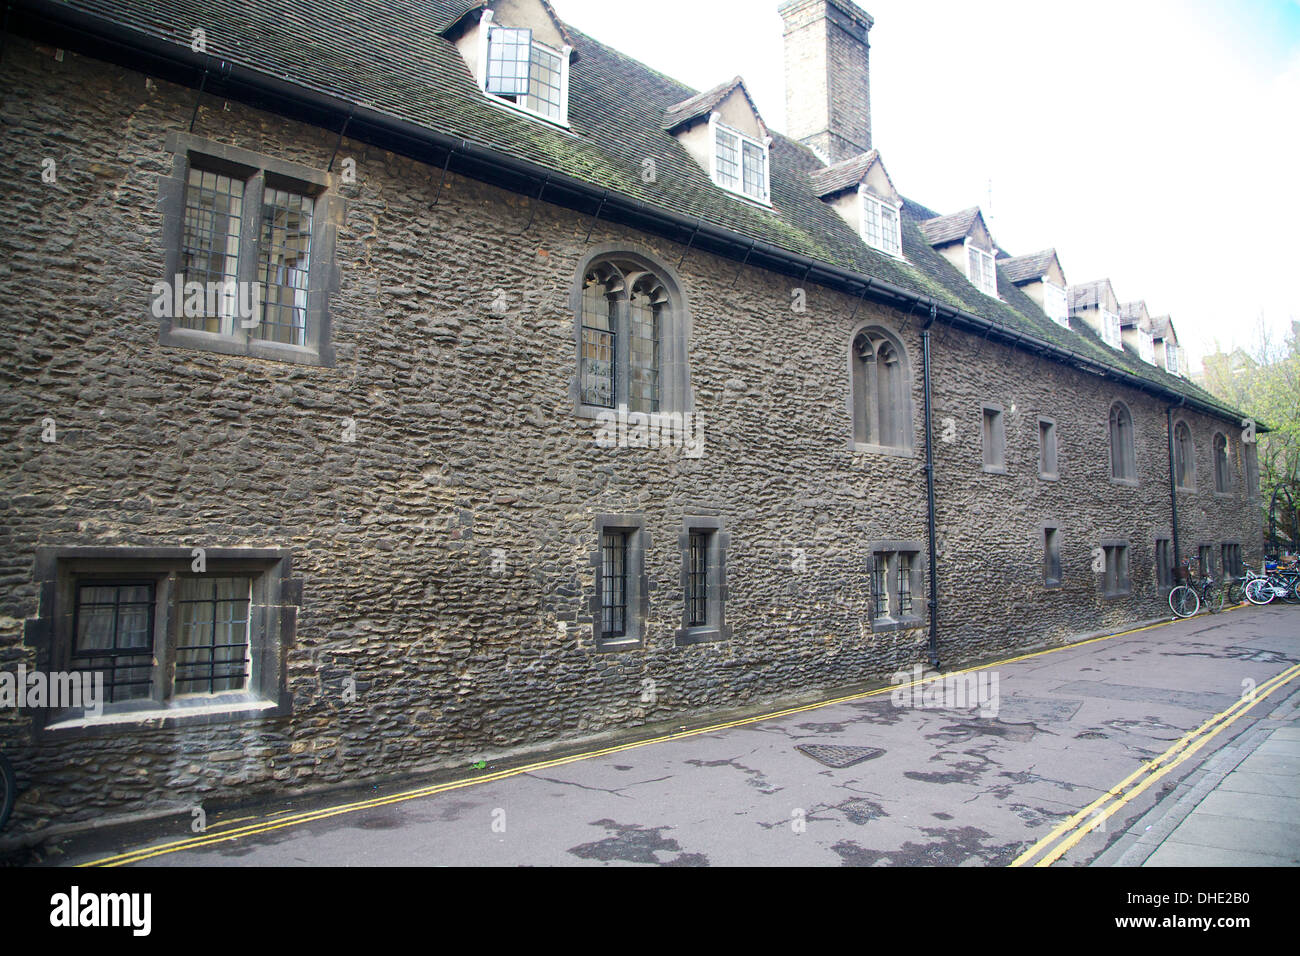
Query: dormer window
x,y
979,269
1146,347
1111,331
518,69
1056,303
739,162
1171,358
881,225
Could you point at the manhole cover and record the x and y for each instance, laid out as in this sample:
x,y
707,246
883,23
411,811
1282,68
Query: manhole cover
x,y
839,757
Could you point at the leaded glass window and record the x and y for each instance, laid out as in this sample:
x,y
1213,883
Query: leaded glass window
x,y
210,243
599,332
643,347
728,160
509,57
285,262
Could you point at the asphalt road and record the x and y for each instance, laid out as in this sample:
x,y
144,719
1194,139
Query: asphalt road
x,y
932,785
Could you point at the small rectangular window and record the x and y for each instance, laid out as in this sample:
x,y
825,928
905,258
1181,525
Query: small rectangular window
x,y
1116,575
1252,467
1056,303
1047,458
1231,558
728,159
1164,563
614,584
697,579
980,271
893,577
1205,560
880,225
1052,557
995,440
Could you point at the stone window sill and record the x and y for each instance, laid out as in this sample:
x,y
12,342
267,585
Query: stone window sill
x,y
199,710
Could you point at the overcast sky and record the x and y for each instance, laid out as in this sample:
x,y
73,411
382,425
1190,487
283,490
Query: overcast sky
x,y
1152,142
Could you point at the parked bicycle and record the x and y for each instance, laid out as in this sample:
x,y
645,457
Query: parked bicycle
x,y
1186,600
8,790
1278,583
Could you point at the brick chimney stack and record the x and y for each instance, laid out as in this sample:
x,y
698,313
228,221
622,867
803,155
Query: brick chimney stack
x,y
827,76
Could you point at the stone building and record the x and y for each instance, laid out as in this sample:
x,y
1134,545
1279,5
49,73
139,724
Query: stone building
x,y
425,381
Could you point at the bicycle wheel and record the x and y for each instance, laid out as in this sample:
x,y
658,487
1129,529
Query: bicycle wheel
x,y
1214,598
8,790
1259,591
1183,601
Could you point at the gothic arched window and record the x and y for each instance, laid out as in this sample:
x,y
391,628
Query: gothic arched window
x,y
1184,457
1222,469
1123,458
881,391
632,333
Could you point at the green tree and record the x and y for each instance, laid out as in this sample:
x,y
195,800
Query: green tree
x,y
1263,381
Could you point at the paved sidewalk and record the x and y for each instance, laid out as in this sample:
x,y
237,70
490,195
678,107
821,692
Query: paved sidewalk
x,y
1241,808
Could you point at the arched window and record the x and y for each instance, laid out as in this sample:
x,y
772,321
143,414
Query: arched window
x,y
632,337
1222,472
882,391
1123,458
1184,457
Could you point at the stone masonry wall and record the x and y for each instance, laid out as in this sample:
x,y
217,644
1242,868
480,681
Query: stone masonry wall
x,y
467,447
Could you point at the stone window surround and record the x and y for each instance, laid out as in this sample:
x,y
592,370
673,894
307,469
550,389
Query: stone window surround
x,y
1050,583
893,548
1232,543
1110,446
638,585
1120,589
999,465
675,393
275,631
1054,475
1224,488
906,412
256,170
717,628
1190,485
1164,587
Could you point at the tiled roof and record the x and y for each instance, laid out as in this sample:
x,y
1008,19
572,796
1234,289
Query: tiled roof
x,y
951,228
1089,295
702,104
843,175
1131,313
1027,268
390,56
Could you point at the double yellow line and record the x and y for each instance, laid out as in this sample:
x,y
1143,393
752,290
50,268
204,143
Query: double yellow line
x,y
298,819
1070,831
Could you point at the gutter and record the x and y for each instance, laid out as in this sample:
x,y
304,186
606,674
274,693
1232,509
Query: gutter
x,y
103,39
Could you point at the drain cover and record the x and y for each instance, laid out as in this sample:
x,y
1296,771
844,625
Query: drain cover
x,y
839,757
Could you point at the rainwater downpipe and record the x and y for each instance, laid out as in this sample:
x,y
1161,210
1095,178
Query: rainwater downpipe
x,y
929,488
1173,485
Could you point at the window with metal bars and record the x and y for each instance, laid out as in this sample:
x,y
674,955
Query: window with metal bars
x,y
114,635
893,581
904,576
697,579
213,652
614,584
